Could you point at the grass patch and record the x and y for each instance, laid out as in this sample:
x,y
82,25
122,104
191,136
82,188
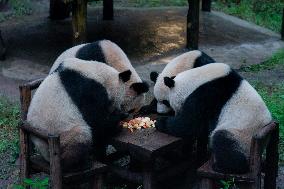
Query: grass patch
x,y
144,3
274,99
17,8
9,118
267,13
276,59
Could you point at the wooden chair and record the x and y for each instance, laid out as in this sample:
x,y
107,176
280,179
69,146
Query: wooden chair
x,y
266,138
34,163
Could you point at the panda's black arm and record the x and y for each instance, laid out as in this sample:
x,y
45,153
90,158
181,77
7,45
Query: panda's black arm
x,y
176,126
149,109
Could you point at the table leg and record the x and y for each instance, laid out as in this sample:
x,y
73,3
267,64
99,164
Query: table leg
x,y
148,175
79,21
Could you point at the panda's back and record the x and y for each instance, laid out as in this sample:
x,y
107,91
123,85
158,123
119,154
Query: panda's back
x,y
244,114
52,109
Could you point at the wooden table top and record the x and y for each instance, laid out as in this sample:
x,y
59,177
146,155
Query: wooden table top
x,y
145,143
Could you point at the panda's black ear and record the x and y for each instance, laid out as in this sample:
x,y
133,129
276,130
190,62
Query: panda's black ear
x,y
125,76
140,88
154,76
169,82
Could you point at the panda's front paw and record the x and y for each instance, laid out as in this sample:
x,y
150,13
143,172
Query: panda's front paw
x,y
161,123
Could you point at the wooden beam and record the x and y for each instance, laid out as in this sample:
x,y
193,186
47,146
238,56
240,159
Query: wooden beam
x,y
59,10
108,9
282,29
79,21
2,48
272,157
24,156
206,5
55,164
193,24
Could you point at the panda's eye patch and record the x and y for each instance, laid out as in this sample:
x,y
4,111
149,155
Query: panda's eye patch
x,y
165,102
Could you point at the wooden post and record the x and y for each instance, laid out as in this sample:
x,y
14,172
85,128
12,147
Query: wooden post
x,y
2,48
79,21
55,164
98,181
282,29
271,165
59,10
206,5
192,24
108,9
25,95
24,156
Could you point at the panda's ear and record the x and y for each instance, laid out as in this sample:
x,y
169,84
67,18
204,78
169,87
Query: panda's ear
x,y
125,76
154,76
169,82
140,88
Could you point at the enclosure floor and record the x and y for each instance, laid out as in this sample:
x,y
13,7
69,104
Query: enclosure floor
x,y
150,37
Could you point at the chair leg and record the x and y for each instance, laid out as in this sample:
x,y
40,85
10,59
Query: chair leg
x,y
24,156
206,183
98,181
55,164
271,165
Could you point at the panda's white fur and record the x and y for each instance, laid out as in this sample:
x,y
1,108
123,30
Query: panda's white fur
x,y
115,57
53,110
239,119
179,64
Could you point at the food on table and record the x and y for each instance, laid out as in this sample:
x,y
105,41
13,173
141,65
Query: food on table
x,y
138,123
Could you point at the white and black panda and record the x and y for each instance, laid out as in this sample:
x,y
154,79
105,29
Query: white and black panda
x,y
185,61
214,101
108,52
81,102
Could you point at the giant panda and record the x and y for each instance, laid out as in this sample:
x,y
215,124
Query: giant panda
x,y
185,61
108,52
80,101
214,101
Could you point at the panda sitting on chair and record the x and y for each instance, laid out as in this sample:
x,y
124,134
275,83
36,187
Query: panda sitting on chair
x,y
214,101
81,101
111,54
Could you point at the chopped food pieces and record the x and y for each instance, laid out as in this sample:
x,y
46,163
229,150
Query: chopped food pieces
x,y
138,123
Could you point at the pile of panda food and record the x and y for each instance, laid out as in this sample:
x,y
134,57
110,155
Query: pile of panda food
x,y
138,123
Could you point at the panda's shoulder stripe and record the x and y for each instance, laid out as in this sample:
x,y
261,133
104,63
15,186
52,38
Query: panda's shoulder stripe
x,y
89,96
203,60
204,104
92,51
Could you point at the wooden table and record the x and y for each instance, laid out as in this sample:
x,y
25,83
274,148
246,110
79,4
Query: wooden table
x,y
144,147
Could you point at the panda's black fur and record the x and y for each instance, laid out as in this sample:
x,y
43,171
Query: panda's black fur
x,y
208,99
200,115
203,60
92,51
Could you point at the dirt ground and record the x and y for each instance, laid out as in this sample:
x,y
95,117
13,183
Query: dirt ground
x,y
150,37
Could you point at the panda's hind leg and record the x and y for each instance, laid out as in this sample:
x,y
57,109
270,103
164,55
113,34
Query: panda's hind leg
x,y
228,154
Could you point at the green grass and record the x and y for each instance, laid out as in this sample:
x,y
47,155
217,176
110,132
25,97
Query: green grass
x,y
274,99
266,13
17,8
273,95
276,59
9,118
